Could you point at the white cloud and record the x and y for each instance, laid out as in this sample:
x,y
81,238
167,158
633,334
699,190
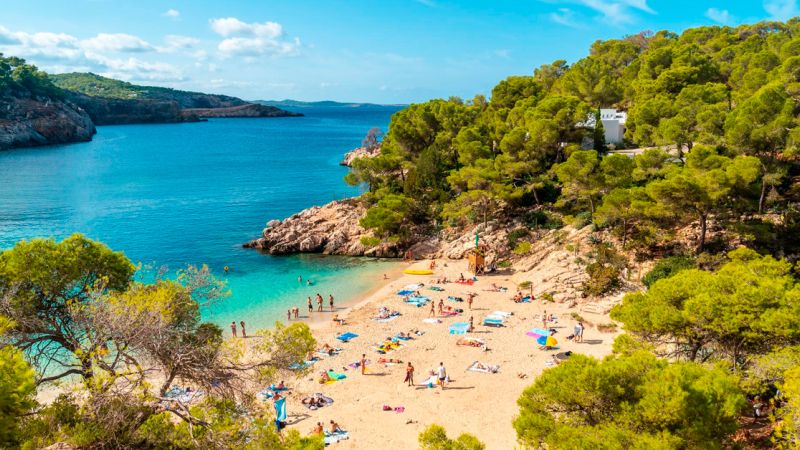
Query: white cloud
x,y
60,52
174,42
564,16
117,42
721,16
172,14
231,26
252,39
615,12
781,9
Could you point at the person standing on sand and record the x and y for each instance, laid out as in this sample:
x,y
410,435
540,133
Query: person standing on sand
x,y
442,373
310,306
319,302
471,324
233,328
288,314
296,312
579,332
330,301
244,333
441,306
409,374
363,363
433,310
544,319
469,300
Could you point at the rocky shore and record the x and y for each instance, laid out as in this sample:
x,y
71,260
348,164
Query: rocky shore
x,y
32,121
334,229
361,152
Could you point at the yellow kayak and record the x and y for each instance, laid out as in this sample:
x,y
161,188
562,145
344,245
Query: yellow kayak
x,y
418,272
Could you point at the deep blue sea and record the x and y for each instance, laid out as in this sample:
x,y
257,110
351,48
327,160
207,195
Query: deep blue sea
x,y
178,194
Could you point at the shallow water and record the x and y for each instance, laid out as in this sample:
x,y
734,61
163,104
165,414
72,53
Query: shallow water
x,y
193,193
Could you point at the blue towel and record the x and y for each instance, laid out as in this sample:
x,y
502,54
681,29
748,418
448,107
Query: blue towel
x,y
346,336
280,410
405,292
493,322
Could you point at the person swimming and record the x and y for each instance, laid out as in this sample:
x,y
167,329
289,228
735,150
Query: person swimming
x,y
226,269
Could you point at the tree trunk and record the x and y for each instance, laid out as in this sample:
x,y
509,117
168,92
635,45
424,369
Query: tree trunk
x,y
624,232
591,204
763,194
702,239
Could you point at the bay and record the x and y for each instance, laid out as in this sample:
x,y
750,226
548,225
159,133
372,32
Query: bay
x,y
177,194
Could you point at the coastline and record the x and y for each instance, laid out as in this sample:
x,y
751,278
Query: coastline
x,y
359,399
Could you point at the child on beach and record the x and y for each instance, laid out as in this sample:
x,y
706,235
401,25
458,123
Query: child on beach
x,y
310,306
330,302
363,363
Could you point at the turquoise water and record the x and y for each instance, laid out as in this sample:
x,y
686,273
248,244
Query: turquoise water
x,y
171,195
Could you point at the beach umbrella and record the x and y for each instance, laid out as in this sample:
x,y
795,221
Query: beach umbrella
x,y
547,341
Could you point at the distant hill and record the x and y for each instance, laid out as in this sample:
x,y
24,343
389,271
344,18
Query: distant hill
x,y
98,86
320,104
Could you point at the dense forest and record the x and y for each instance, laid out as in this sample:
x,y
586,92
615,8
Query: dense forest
x,y
715,107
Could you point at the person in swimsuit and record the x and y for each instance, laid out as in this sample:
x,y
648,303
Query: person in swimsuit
x,y
409,374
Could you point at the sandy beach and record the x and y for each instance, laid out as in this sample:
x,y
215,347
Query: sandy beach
x,y
483,404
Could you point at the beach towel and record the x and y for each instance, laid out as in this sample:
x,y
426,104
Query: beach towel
x,y
387,319
386,349
417,301
502,314
322,401
431,320
469,282
336,375
478,366
302,365
459,328
280,410
436,288
334,352
537,332
405,292
455,299
357,364
332,438
526,299
449,313
412,287
493,322
431,382
402,338
346,336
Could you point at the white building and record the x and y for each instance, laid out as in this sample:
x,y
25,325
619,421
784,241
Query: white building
x,y
613,125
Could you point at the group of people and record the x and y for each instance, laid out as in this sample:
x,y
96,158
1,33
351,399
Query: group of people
x,y
334,428
233,329
294,312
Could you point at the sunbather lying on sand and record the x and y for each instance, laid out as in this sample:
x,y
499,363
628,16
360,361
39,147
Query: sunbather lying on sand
x,y
389,361
324,378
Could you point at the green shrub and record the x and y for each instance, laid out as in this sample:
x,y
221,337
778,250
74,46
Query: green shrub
x,y
543,220
547,297
370,241
607,327
524,285
576,316
666,268
504,264
523,248
603,279
514,236
582,219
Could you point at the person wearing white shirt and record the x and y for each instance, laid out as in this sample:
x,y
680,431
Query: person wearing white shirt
x,y
442,374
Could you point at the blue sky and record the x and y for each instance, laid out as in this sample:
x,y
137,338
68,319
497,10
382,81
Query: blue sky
x,y
388,51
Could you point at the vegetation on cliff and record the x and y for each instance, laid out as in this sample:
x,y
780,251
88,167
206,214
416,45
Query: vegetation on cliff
x,y
726,95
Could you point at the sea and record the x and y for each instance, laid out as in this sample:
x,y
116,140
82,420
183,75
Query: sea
x,y
170,195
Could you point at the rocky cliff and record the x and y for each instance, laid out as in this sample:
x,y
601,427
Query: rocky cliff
x,y
110,111
330,229
27,121
246,110
361,152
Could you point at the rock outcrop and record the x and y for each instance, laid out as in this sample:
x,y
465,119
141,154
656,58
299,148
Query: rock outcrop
x,y
27,121
246,110
361,152
331,229
110,111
